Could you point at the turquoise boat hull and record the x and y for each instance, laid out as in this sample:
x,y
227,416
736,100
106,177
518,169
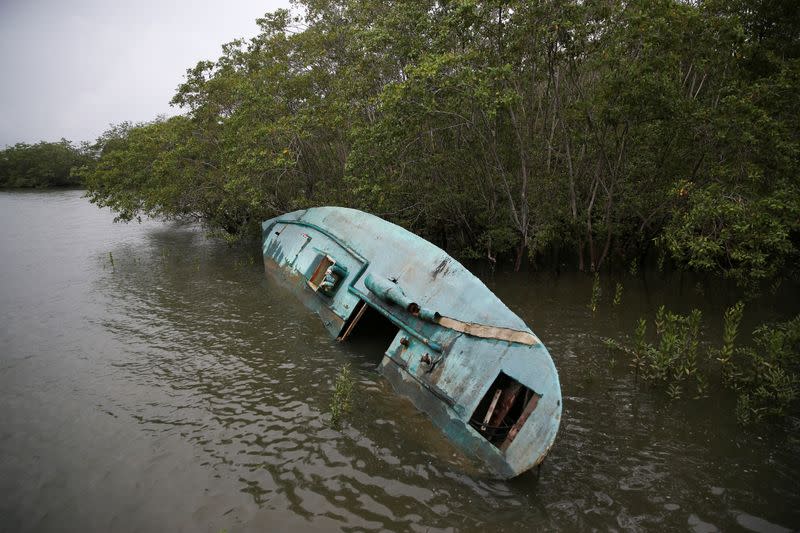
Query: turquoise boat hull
x,y
460,355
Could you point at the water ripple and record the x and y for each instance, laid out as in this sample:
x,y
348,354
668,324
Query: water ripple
x,y
182,391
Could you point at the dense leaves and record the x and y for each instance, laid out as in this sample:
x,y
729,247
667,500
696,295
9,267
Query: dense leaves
x,y
45,164
583,132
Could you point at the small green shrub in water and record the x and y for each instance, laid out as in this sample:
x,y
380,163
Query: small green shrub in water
x,y
634,268
730,330
596,293
618,294
672,360
764,376
342,399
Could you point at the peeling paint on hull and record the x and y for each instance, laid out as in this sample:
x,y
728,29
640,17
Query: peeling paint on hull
x,y
459,354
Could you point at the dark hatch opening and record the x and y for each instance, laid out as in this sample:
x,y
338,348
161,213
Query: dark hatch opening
x,y
503,410
368,331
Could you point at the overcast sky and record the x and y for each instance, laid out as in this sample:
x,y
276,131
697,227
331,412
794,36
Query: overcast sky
x,y
69,68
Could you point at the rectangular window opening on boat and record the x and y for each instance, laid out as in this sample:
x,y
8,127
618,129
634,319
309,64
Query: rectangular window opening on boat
x,y
369,327
503,410
352,320
316,279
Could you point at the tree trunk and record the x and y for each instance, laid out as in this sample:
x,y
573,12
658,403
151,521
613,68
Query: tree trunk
x,y
520,255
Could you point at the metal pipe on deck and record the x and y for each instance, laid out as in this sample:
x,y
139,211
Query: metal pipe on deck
x,y
390,292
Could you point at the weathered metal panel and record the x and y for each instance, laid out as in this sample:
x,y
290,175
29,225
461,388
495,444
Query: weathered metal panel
x,y
428,274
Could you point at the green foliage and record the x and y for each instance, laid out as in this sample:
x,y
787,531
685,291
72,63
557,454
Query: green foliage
x,y
731,320
597,292
633,269
743,235
342,399
765,376
45,164
497,130
672,360
618,294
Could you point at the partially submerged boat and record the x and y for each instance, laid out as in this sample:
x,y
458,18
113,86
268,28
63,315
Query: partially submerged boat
x,y
459,353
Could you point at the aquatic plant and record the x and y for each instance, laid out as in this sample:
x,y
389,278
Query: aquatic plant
x,y
765,375
672,360
597,292
342,399
731,320
633,269
617,294
699,289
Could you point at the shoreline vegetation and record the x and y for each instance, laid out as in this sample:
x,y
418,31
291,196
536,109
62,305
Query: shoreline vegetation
x,y
604,136
43,165
600,136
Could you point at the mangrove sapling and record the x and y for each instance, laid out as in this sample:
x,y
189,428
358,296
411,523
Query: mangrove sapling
x,y
618,294
640,346
633,269
638,350
674,391
699,289
597,292
672,360
342,399
775,285
766,376
731,320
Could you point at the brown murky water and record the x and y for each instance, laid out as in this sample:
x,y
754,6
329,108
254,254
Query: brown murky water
x,y
178,390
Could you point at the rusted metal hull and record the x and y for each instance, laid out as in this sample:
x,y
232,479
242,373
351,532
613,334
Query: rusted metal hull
x,y
459,354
